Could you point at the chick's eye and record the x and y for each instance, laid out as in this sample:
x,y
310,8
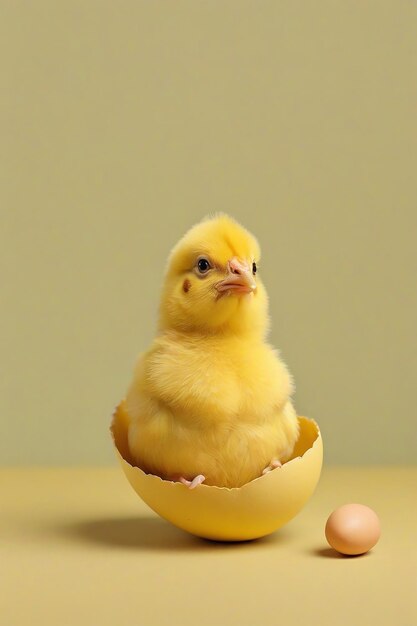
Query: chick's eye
x,y
203,266
254,268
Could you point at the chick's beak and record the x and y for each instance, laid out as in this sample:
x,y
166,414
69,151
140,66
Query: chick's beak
x,y
239,278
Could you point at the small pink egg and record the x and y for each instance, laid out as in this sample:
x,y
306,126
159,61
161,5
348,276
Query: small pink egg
x,y
353,529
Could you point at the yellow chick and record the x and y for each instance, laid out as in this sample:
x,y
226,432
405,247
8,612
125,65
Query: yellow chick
x,y
210,399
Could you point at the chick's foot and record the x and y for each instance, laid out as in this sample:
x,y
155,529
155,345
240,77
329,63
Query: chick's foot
x,y
194,482
191,484
273,464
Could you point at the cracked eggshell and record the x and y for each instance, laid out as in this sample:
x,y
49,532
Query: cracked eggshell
x,y
257,509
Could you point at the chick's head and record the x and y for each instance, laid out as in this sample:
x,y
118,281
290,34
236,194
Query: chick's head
x,y
212,282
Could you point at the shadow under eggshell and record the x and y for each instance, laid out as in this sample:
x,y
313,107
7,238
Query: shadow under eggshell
x,y
257,509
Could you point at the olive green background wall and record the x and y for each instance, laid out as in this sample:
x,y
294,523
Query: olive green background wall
x,y
123,123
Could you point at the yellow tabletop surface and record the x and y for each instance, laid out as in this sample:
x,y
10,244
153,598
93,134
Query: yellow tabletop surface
x,y
79,547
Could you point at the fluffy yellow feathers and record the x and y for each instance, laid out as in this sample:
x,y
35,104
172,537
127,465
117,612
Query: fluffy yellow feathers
x,y
217,241
210,399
